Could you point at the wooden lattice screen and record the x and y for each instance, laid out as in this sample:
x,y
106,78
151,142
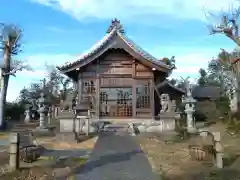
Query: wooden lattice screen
x,y
143,94
116,102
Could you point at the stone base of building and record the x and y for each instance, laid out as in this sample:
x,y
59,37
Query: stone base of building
x,y
70,125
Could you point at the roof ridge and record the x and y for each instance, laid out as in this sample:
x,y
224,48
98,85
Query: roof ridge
x,y
143,52
116,28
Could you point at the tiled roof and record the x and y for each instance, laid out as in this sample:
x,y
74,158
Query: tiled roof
x,y
142,52
167,83
91,51
115,30
211,92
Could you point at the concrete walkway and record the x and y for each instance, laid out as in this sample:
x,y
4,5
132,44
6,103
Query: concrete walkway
x,y
116,157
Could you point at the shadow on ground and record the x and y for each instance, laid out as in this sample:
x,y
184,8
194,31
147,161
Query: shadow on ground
x,y
103,160
66,153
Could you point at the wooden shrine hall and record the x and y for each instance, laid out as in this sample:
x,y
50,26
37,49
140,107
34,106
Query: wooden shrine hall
x,y
119,76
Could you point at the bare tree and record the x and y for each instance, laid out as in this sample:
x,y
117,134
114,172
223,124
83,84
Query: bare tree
x,y
229,61
10,36
228,25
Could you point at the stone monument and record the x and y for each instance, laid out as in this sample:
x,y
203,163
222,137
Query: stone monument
x,y
27,113
50,116
34,110
189,103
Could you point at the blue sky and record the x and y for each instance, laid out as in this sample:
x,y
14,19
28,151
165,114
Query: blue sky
x,y
56,31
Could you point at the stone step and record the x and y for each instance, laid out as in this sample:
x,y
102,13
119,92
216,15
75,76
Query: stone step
x,y
28,125
19,130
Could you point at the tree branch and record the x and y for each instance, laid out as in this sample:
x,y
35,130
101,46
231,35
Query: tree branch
x,y
228,25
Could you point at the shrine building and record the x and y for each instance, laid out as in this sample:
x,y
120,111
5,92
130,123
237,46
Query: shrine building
x,y
120,77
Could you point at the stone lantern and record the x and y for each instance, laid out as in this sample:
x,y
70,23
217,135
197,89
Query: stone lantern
x,y
42,111
189,103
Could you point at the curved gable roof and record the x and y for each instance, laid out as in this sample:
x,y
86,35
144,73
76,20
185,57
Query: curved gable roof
x,y
107,42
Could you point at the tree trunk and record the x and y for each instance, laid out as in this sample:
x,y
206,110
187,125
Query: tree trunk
x,y
3,94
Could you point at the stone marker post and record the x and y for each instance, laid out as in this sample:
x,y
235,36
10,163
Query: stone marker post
x,y
50,117
14,151
219,150
218,159
87,123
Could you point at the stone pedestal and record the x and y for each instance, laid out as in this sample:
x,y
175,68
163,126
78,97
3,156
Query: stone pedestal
x,y
167,120
42,118
190,121
14,151
89,129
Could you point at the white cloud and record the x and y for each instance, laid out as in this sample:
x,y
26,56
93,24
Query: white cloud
x,y
108,9
189,64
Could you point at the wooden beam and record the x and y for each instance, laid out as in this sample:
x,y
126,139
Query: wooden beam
x,y
98,90
97,97
79,88
134,94
152,104
116,75
143,77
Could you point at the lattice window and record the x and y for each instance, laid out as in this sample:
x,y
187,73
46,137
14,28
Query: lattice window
x,y
89,86
116,102
89,92
143,95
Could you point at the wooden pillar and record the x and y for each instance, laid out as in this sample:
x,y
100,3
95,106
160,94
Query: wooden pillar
x,y
152,97
134,85
79,88
97,96
97,110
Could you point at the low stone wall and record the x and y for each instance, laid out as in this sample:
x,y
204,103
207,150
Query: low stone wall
x,y
66,123
127,120
157,126
145,125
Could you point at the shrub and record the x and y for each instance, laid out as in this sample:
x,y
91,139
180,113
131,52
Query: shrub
x,y
199,116
13,111
223,106
206,110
